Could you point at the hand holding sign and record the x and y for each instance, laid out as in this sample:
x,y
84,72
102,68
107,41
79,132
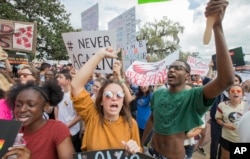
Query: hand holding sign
x,y
131,146
21,151
108,52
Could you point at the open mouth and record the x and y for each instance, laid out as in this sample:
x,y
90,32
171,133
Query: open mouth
x,y
23,118
114,107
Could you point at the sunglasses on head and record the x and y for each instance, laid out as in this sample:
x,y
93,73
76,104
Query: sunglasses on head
x,y
177,68
235,91
110,95
25,74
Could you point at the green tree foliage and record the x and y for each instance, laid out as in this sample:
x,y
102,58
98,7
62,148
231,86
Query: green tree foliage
x,y
51,18
162,36
184,55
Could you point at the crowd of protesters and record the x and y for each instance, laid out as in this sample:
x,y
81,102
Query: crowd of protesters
x,y
67,111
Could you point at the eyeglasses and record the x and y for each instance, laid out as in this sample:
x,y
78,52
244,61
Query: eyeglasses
x,y
110,95
25,74
235,91
177,68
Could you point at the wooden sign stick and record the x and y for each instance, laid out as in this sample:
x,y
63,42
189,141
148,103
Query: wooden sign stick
x,y
208,30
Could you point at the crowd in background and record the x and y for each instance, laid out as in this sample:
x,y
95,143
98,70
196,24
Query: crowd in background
x,y
139,103
67,111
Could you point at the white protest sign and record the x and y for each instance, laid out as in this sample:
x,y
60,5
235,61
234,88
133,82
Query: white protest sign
x,y
137,52
82,45
125,28
198,66
150,73
145,73
172,57
90,18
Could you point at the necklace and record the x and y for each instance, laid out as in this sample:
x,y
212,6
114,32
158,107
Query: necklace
x,y
111,120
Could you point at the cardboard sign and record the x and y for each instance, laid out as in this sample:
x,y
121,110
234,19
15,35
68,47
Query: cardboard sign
x,y
136,52
110,154
125,26
16,35
146,74
8,133
81,46
198,66
90,18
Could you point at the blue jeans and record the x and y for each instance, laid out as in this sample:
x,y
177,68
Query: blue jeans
x,y
215,137
189,149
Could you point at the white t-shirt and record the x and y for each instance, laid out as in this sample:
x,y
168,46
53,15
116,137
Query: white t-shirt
x,y
230,115
66,113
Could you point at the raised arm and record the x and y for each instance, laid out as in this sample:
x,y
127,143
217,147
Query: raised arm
x,y
117,73
88,68
225,73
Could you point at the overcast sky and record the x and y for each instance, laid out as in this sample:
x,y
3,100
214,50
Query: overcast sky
x,y
190,14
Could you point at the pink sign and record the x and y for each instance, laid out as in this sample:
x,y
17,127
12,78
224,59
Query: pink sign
x,y
5,112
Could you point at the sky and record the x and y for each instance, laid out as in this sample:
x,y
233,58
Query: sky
x,y
189,13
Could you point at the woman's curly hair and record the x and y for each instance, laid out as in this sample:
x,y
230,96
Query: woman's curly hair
x,y
49,90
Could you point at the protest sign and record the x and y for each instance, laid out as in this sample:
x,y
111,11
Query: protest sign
x,y
90,18
8,133
150,73
198,66
236,55
146,74
125,28
136,52
110,154
81,46
16,35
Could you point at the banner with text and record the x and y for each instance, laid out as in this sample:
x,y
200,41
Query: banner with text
x,y
146,74
90,18
83,45
150,73
110,154
125,26
17,35
198,66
